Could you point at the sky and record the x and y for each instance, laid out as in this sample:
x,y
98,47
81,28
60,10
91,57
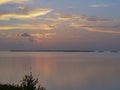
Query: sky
x,y
59,24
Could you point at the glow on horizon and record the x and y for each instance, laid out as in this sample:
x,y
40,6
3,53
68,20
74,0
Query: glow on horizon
x,y
59,24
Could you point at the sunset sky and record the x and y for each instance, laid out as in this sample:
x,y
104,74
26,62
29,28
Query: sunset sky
x,y
59,24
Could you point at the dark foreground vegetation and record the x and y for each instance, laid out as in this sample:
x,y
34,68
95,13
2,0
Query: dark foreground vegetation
x,y
27,83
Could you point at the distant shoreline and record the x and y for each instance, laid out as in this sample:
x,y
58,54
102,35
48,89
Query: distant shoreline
x,y
52,50
100,51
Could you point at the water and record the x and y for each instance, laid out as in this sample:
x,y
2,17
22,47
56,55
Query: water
x,y
63,70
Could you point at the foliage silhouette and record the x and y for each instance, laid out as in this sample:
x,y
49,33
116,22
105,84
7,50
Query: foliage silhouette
x,y
28,83
9,87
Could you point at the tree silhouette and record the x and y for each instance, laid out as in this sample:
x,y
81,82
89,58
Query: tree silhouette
x,y
30,83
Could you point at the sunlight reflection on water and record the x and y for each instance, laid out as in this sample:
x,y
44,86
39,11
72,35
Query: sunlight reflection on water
x,y
63,71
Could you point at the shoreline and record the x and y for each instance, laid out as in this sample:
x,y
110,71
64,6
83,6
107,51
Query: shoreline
x,y
99,51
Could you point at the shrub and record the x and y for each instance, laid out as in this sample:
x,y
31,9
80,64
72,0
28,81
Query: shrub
x,y
30,83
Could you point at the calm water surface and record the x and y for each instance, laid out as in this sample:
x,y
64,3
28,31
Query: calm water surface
x,y
63,70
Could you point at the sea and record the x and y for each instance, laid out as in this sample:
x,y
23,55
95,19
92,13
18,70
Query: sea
x,y
63,70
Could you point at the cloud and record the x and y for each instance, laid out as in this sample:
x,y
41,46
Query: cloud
x,y
5,35
25,35
46,35
96,19
36,37
13,1
98,28
24,13
70,17
99,5
66,17
28,27
31,40
21,8
90,23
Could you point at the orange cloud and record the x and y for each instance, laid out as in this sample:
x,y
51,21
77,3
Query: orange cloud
x,y
97,28
76,25
15,1
27,27
61,17
25,13
46,35
68,17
